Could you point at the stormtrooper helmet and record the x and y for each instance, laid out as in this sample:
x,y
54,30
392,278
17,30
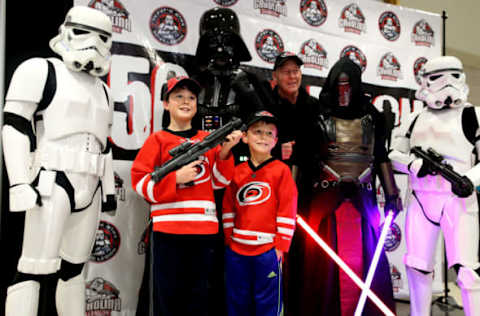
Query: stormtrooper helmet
x,y
84,41
443,83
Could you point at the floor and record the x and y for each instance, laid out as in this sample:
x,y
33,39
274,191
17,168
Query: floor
x,y
453,308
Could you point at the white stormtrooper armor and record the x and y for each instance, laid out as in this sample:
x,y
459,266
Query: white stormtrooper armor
x,y
58,116
443,83
449,125
84,41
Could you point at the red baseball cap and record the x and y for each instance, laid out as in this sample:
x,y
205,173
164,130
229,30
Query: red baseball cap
x,y
264,116
174,82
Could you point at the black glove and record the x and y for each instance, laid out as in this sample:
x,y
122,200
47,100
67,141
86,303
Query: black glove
x,y
110,204
427,168
463,188
240,82
393,203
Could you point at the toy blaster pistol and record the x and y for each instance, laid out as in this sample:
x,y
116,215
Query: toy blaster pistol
x,y
187,152
461,185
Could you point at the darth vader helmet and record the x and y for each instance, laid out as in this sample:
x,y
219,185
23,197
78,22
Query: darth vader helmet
x,y
443,83
220,45
84,41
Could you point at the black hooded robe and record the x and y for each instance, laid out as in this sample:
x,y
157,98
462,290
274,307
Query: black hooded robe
x,y
315,290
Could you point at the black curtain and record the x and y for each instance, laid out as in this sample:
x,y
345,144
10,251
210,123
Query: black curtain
x,y
29,27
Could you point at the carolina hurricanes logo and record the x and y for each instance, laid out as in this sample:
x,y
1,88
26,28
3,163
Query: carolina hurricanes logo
x,y
107,242
102,298
352,19
225,3
202,174
119,16
389,25
313,55
389,68
356,55
254,192
394,237
417,66
271,7
168,26
314,12
422,34
268,45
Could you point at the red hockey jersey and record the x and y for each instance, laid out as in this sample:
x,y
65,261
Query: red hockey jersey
x,y
259,208
180,209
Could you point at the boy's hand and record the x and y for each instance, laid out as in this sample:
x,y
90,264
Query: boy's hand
x,y
287,150
232,139
188,173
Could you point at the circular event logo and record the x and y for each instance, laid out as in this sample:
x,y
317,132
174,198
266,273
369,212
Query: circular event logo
x,y
393,239
417,66
356,55
168,26
352,19
389,25
314,12
107,242
225,3
313,55
422,34
268,45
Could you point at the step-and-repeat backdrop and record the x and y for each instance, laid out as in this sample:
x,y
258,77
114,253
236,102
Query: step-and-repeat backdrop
x,y
154,39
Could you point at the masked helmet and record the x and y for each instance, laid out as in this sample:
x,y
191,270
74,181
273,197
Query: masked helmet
x,y
220,42
84,41
443,83
344,90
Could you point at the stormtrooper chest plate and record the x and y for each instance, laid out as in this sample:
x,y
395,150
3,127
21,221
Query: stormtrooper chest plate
x,y
79,106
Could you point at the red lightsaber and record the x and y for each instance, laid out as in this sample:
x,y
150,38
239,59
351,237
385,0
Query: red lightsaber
x,y
378,302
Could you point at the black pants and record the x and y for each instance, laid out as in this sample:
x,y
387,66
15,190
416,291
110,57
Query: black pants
x,y
182,274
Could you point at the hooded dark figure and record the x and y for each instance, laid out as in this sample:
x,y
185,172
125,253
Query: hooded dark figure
x,y
227,89
338,200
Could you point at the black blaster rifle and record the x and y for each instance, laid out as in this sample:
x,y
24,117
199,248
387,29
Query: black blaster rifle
x,y
188,152
461,185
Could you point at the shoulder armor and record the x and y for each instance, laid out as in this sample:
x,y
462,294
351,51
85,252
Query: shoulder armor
x,y
28,81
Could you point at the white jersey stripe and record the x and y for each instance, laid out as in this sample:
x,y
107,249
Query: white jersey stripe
x,y
227,225
285,231
251,242
139,186
252,233
285,220
228,215
184,204
150,186
185,218
219,176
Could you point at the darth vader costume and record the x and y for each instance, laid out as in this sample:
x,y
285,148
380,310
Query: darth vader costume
x,y
228,90
338,200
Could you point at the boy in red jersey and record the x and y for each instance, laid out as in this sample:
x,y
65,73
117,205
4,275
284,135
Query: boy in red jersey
x,y
259,211
183,215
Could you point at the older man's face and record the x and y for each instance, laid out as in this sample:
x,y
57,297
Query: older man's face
x,y
288,77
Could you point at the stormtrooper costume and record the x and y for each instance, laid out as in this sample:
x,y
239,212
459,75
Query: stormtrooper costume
x,y
449,125
58,115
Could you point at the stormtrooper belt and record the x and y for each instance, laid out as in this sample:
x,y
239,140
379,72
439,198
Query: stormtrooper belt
x,y
68,160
